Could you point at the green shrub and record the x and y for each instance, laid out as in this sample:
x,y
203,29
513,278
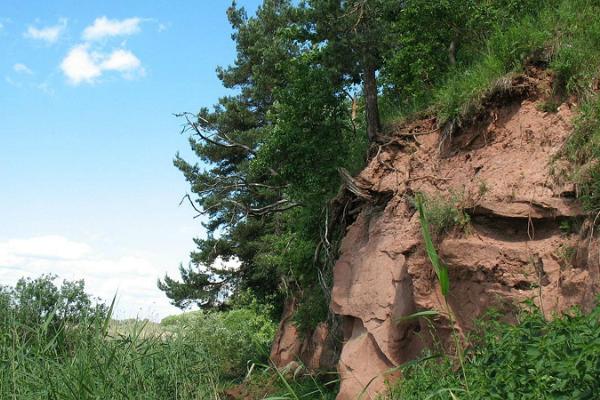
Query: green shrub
x,y
445,213
233,340
583,150
55,343
535,359
312,309
64,312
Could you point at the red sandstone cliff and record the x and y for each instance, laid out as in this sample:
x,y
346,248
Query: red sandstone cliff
x,y
503,166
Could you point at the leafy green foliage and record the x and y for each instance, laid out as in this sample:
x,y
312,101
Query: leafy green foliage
x,y
583,150
58,347
234,339
445,213
534,359
270,162
441,270
269,155
312,309
239,194
32,303
460,35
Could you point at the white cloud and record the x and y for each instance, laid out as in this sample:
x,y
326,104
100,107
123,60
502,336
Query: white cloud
x,y
47,247
131,276
121,60
82,65
49,34
22,69
104,27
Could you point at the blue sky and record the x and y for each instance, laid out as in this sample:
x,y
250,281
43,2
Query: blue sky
x,y
87,138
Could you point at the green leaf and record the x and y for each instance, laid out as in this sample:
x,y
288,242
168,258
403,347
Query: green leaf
x,y
420,314
441,270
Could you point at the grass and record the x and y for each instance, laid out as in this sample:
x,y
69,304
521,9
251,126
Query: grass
x,y
549,106
56,343
441,270
583,150
85,362
565,37
445,213
534,359
564,34
54,348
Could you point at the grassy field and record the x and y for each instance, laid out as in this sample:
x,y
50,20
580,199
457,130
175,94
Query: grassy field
x,y
57,343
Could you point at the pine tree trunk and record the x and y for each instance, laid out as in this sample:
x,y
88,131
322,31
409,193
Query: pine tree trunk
x,y
370,89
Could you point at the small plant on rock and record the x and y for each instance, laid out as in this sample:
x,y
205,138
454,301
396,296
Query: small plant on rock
x,y
445,213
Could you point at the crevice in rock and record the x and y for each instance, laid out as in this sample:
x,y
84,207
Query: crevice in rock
x,y
510,229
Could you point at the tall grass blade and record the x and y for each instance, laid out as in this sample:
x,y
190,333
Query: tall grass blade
x,y
108,316
441,270
450,391
420,314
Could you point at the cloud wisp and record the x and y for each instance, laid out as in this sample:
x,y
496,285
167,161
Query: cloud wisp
x,y
48,34
20,68
131,276
104,27
84,65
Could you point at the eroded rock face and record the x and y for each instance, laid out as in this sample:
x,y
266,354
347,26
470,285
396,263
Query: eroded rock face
x,y
315,351
287,343
514,248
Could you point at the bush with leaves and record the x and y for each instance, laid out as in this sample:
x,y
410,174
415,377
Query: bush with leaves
x,y
534,359
40,302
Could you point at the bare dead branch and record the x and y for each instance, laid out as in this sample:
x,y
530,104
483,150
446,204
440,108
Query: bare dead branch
x,y
230,143
353,185
199,131
187,196
278,206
